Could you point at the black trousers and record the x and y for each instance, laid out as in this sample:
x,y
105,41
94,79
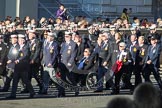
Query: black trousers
x,y
65,74
118,77
147,72
138,70
126,77
21,72
9,77
34,72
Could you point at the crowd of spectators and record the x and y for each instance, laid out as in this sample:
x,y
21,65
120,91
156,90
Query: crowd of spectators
x,y
79,22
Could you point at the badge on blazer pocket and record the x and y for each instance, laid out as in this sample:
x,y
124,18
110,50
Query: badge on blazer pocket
x,y
51,51
68,51
124,59
69,47
33,48
21,54
154,51
134,49
0,48
143,52
106,48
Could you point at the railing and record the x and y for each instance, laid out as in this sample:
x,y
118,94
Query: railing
x,y
68,1
85,31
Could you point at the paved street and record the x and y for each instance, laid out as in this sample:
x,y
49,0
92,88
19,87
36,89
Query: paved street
x,y
86,99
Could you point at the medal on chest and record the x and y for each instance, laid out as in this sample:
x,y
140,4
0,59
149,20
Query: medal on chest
x,y
69,50
134,49
21,54
51,50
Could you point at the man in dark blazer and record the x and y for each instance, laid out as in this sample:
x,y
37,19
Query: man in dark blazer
x,y
125,58
21,68
49,60
87,60
11,57
3,54
151,62
35,48
86,64
132,47
104,53
68,53
81,46
141,53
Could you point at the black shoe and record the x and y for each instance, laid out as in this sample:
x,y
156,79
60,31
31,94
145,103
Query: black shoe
x,y
32,95
43,92
40,92
3,90
98,91
127,86
11,97
115,92
109,88
24,91
76,93
61,95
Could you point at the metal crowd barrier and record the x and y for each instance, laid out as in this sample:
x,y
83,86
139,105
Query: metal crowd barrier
x,y
85,31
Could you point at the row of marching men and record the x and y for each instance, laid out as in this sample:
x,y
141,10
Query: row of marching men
x,y
125,59
24,60
27,55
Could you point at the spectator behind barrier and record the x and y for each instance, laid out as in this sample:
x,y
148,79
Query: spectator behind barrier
x,y
146,96
121,102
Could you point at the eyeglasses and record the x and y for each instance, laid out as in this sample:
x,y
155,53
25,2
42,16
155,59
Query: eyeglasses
x,y
85,51
67,36
121,46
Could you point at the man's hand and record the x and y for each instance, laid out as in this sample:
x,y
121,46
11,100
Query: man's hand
x,y
65,9
17,61
32,62
9,61
69,64
149,62
140,63
105,63
49,65
0,64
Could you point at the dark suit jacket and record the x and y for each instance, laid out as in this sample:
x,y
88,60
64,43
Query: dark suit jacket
x,y
12,56
68,54
127,59
23,57
3,58
104,52
50,54
88,63
80,51
133,49
153,54
114,52
141,54
35,49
